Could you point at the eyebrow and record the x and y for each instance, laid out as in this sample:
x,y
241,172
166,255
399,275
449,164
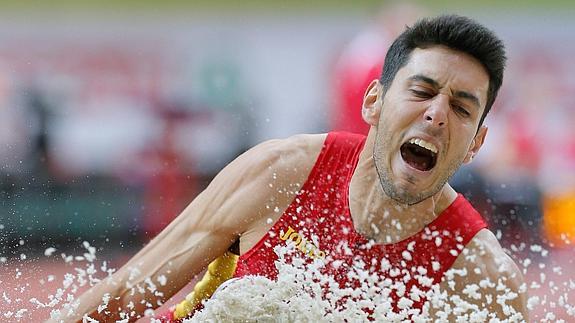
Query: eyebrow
x,y
457,94
468,96
424,79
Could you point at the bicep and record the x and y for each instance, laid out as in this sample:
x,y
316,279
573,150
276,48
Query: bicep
x,y
211,223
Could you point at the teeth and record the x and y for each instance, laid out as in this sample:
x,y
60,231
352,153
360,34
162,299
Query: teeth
x,y
424,144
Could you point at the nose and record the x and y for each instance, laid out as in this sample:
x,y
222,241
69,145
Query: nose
x,y
436,112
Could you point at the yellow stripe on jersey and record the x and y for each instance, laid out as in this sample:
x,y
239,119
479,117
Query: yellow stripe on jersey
x,y
219,270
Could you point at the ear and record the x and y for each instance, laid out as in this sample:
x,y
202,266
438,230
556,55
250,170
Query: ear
x,y
476,144
372,100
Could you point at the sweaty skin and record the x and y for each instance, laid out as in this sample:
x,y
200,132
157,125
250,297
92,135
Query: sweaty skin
x,y
259,185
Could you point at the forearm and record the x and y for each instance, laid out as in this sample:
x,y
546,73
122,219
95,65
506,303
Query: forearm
x,y
101,302
113,301
92,303
126,294
151,277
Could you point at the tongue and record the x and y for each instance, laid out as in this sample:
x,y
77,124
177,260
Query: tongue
x,y
417,157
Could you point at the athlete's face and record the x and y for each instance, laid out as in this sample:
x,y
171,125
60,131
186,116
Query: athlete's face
x,y
426,123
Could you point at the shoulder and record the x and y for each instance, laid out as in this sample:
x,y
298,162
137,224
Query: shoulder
x,y
485,278
293,156
278,154
285,165
267,175
299,148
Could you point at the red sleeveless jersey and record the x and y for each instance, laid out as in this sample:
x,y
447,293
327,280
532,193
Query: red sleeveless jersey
x,y
321,210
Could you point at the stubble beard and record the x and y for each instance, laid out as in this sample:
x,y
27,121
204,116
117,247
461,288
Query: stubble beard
x,y
398,194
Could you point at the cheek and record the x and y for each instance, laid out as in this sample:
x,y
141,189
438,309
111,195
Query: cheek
x,y
459,148
398,117
458,139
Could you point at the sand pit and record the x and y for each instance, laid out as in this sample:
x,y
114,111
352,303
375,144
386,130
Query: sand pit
x,y
31,291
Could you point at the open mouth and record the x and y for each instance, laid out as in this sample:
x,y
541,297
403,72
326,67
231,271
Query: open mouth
x,y
419,154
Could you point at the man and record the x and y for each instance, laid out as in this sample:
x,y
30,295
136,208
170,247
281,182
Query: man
x,y
381,197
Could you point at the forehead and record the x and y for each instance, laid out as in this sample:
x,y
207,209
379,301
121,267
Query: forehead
x,y
453,70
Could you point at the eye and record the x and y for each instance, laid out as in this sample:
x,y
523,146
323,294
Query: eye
x,y
421,94
461,110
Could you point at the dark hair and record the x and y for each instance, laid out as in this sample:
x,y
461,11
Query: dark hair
x,y
455,32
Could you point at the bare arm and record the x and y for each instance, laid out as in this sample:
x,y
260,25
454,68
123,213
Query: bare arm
x,y
484,282
234,203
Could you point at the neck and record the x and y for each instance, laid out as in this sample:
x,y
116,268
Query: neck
x,y
381,218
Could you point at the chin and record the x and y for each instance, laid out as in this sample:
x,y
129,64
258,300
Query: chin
x,y
408,193
402,195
